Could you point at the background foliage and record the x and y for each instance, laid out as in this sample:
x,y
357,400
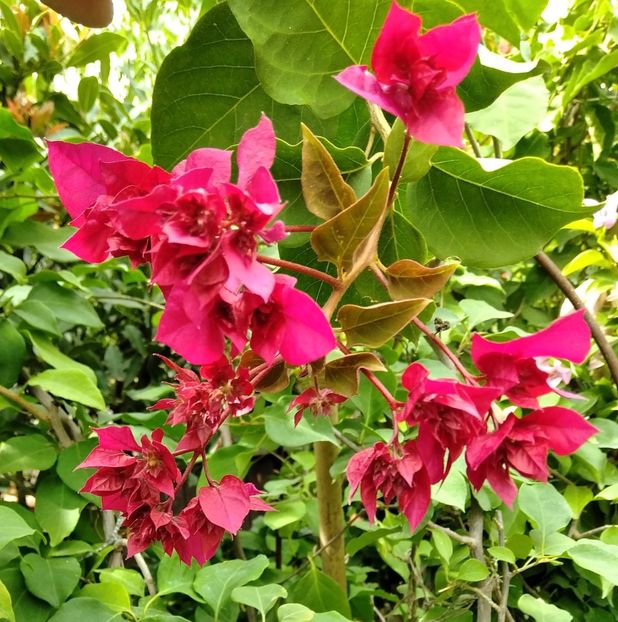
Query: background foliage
x,y
76,339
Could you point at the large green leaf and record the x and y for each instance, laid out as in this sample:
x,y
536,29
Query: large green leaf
x,y
540,611
70,458
546,508
37,315
597,557
515,113
319,592
70,384
96,47
57,509
13,526
27,608
31,451
506,17
262,598
494,218
216,582
6,606
301,44
208,94
52,580
82,610
12,353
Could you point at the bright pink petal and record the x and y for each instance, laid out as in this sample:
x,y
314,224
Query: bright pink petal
x,y
263,190
117,437
226,504
138,218
194,179
438,119
566,338
358,80
121,174
256,277
357,467
482,447
307,335
77,173
90,242
500,480
256,149
565,429
396,46
453,47
218,160
414,501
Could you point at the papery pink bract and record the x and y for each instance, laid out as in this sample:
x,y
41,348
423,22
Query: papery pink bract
x,y
290,323
416,75
397,472
513,366
318,402
449,415
523,444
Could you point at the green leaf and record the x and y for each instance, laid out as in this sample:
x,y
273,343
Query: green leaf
x,y
131,580
57,509
506,17
294,612
301,44
514,114
216,582
46,240
496,218
87,92
262,598
418,159
68,460
68,306
26,607
542,611
12,265
96,47
17,146
286,513
578,498
324,189
319,592
454,490
49,353
502,553
28,452
207,94
70,384
478,311
38,316
592,68
82,609
369,537
174,577
472,570
375,325
52,580
12,353
279,426
490,76
597,557
13,526
400,239
443,544
545,507
6,606
346,239
114,595
342,374
609,494
409,279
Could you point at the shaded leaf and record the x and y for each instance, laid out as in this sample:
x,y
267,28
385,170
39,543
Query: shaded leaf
x,y
374,326
418,159
12,353
342,374
82,609
96,47
262,598
13,526
52,580
31,451
409,279
345,239
319,592
324,189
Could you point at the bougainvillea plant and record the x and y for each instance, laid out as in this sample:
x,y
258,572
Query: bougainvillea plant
x,y
210,244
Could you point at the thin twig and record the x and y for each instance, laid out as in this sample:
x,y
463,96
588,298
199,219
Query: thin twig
x,y
55,418
506,572
346,441
397,174
497,147
296,267
476,533
299,228
591,532
148,578
24,404
467,540
378,121
569,291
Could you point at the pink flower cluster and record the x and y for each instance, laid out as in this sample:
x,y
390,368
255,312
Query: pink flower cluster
x,y
200,233
451,417
140,480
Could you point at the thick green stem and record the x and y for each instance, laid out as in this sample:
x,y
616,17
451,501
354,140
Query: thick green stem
x,y
332,523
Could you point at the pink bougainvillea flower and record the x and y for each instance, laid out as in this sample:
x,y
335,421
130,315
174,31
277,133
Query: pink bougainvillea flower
x,y
523,444
397,472
416,75
449,416
204,536
203,404
319,402
290,323
518,367
129,474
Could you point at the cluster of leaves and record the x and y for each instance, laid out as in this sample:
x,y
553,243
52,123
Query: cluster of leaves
x,y
76,339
